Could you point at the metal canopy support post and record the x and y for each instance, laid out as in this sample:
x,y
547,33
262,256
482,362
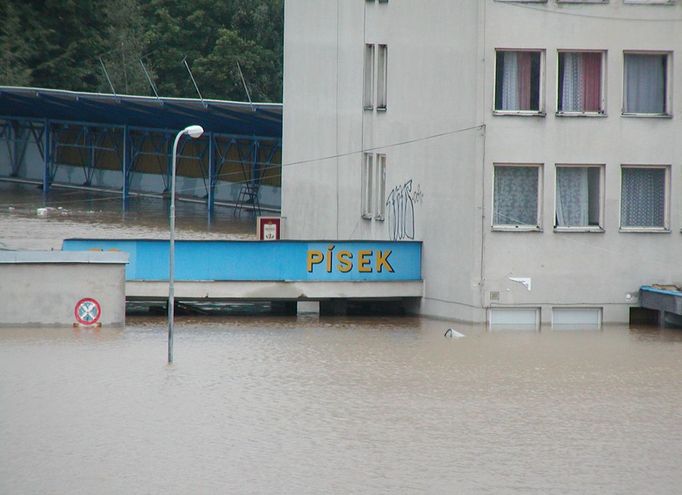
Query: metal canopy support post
x,y
47,158
126,166
211,176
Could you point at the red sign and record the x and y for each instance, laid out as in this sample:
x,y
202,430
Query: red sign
x,y
269,228
87,311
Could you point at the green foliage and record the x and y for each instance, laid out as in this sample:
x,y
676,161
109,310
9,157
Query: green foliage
x,y
59,44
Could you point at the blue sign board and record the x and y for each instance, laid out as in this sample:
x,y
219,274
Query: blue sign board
x,y
338,261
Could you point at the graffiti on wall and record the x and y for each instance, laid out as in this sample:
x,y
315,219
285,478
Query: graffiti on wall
x,y
400,210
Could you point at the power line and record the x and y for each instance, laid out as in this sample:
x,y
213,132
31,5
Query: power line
x,y
588,16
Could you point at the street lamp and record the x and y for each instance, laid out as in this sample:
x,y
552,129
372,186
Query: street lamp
x,y
194,131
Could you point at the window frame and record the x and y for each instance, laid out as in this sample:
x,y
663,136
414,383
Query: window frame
x,y
382,76
538,215
373,186
380,184
668,103
369,76
602,185
603,86
583,1
649,2
367,186
540,112
666,204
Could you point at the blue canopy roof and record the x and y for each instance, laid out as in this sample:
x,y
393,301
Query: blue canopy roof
x,y
217,116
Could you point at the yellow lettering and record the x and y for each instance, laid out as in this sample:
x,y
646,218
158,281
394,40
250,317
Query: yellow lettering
x,y
315,257
364,261
330,249
382,261
345,264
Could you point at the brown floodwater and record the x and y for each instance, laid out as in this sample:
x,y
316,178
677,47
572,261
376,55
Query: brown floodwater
x,y
310,405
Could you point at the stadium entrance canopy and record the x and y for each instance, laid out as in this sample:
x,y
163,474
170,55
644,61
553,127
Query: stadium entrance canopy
x,y
134,134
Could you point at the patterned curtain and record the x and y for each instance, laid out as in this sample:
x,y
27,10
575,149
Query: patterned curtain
x,y
510,82
643,197
516,196
645,83
581,82
572,200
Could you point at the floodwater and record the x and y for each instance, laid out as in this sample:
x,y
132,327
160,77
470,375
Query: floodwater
x,y
310,405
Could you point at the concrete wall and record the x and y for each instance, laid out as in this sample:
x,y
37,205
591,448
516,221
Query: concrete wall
x,y
43,287
441,80
419,132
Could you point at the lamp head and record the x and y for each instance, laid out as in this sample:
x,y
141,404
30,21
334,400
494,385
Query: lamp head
x,y
194,131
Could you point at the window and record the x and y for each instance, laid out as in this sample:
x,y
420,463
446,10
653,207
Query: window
x,y
373,188
375,73
581,76
661,2
578,199
518,81
367,184
368,89
646,84
644,197
382,76
514,318
380,211
577,318
516,197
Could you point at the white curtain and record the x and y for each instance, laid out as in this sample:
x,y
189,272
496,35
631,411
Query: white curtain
x,y
572,201
645,83
510,82
573,83
516,196
643,197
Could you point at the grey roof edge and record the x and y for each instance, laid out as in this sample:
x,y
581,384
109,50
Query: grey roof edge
x,y
50,257
169,99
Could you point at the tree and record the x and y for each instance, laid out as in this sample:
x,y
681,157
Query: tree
x,y
14,48
59,43
127,41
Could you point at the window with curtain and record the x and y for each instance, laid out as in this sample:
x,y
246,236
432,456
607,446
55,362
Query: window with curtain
x,y
578,197
517,81
646,78
643,197
515,195
580,82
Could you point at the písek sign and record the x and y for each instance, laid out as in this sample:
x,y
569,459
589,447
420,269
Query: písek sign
x,y
343,260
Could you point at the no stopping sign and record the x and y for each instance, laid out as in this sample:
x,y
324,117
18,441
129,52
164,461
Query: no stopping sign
x,y
87,311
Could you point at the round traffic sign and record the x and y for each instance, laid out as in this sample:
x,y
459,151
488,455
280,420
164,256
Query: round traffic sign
x,y
87,311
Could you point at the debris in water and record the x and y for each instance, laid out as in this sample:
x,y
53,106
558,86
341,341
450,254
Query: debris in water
x,y
453,334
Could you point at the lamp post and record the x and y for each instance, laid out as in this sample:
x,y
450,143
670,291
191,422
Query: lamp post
x,y
194,131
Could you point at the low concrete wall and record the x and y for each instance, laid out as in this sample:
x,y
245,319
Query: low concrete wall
x,y
45,287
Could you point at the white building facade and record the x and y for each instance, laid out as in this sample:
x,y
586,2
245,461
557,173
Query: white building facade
x,y
534,147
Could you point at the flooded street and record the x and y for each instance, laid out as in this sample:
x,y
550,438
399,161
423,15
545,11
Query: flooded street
x,y
310,405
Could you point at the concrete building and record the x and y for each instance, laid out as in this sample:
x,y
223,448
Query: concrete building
x,y
534,147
